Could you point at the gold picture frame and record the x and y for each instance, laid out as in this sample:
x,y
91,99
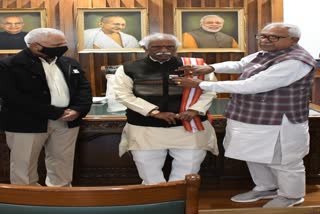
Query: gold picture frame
x,y
32,18
88,25
188,20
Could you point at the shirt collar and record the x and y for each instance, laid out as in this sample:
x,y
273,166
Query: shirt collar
x,y
52,62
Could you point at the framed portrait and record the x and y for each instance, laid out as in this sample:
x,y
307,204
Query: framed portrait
x,y
210,29
111,29
15,24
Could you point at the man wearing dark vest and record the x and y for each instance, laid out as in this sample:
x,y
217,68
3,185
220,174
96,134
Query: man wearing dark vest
x,y
209,35
267,117
154,115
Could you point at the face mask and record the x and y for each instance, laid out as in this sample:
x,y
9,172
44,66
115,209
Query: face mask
x,y
54,52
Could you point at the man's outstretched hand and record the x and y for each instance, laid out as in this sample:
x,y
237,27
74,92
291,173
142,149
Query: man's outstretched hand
x,y
195,70
186,82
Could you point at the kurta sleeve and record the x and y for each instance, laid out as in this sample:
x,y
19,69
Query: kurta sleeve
x,y
276,76
123,89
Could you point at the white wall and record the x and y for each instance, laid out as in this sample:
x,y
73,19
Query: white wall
x,y
305,14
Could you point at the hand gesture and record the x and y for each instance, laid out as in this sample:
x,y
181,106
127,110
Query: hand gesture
x,y
167,116
186,82
69,115
187,115
195,70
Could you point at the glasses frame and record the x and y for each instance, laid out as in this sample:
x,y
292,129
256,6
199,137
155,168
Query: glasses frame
x,y
268,37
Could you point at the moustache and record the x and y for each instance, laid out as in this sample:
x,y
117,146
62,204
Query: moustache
x,y
266,44
163,53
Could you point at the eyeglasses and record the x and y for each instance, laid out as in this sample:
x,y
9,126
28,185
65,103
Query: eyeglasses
x,y
271,38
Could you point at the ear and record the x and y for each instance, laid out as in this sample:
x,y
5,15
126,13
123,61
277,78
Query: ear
x,y
32,45
35,47
295,39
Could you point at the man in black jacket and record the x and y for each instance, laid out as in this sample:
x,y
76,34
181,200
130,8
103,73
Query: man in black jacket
x,y
46,97
2,90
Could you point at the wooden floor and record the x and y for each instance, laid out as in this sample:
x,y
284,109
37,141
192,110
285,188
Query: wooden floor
x,y
217,198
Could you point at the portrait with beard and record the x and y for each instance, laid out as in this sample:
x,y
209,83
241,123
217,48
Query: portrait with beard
x,y
209,35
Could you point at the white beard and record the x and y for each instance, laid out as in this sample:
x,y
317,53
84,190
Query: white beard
x,y
211,30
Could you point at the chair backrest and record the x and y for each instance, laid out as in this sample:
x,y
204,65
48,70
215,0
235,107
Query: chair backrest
x,y
172,197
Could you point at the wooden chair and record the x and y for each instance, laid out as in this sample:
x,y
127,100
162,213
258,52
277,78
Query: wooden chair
x,y
172,197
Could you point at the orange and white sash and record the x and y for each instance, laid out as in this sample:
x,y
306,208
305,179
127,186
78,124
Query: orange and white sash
x,y
190,96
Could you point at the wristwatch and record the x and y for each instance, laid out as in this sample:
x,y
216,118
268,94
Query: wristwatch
x,y
154,112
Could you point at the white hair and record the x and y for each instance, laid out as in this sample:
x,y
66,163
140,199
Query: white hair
x,y
293,30
211,16
40,34
158,36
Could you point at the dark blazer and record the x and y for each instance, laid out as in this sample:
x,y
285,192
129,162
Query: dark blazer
x,y
27,96
2,92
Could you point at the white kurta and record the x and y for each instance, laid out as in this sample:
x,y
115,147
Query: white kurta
x,y
240,142
98,38
58,87
151,138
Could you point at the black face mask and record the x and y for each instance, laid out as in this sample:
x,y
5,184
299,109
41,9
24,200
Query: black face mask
x,y
54,52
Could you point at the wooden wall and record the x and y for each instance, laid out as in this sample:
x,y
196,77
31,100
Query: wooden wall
x,y
62,14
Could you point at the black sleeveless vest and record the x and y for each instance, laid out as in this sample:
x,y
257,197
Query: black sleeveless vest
x,y
151,82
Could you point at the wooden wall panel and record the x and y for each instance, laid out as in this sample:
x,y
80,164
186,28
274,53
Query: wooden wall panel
x,y
53,12
276,11
252,21
99,3
169,13
208,3
62,14
67,23
114,3
155,16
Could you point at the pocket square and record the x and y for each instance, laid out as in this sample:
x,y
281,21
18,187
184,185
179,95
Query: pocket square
x,y
75,71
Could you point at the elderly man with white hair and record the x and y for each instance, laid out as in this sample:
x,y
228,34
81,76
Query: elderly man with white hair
x,y
159,119
13,35
46,96
267,117
209,35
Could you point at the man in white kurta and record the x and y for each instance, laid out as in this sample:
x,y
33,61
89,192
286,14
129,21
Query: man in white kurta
x,y
109,35
274,149
150,143
96,38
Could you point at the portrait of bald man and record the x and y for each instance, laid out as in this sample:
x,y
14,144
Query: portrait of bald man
x,y
109,34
